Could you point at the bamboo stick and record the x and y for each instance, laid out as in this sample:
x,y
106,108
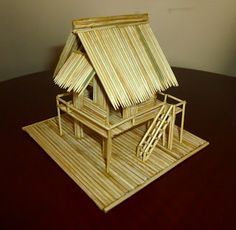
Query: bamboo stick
x,y
83,114
164,138
109,55
152,125
59,117
82,160
70,46
78,103
111,20
171,129
108,150
156,132
182,123
136,116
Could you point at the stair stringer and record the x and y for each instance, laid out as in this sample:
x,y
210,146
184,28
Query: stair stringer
x,y
155,131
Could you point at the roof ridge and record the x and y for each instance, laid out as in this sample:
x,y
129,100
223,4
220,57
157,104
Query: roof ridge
x,y
84,23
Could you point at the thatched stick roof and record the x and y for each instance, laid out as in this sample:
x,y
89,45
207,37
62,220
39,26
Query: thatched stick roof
x,y
125,55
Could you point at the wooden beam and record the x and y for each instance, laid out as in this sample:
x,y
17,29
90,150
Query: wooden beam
x,y
78,103
108,147
59,118
182,123
108,21
171,129
99,95
129,111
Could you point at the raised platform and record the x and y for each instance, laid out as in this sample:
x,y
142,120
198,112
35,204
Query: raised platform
x,y
82,159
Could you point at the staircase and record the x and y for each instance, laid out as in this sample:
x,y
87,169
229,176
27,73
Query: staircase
x,y
155,132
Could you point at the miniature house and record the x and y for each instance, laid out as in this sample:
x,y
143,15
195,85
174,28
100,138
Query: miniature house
x,y
115,131
114,71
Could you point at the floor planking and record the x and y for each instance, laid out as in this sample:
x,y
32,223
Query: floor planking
x,y
82,159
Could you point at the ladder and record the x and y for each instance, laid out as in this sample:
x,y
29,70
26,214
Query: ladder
x,y
155,132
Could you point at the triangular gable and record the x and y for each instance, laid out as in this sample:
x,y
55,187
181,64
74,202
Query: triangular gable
x,y
75,74
127,58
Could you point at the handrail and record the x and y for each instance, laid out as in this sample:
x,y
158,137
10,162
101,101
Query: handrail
x,y
174,98
170,96
180,103
136,115
132,118
81,113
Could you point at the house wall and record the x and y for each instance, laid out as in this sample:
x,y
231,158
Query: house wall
x,y
193,34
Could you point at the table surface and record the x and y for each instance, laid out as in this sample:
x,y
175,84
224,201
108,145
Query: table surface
x,y
197,194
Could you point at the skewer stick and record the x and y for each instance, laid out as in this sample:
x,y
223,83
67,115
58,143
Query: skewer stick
x,y
171,129
182,123
163,137
108,150
59,118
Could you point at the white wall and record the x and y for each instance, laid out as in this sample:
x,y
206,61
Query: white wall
x,y
197,34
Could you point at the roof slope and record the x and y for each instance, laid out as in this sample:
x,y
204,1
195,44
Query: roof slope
x,y
126,57
75,74
70,46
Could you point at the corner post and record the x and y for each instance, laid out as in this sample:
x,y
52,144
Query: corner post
x,y
108,146
78,103
59,116
182,123
171,128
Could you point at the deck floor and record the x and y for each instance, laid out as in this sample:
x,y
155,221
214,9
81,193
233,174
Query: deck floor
x,y
82,159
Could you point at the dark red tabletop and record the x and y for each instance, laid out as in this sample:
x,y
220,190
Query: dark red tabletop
x,y
200,193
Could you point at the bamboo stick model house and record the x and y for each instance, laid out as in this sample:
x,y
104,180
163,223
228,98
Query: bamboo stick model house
x,y
115,130
114,72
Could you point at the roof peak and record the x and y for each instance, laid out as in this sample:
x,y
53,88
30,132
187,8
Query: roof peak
x,y
96,22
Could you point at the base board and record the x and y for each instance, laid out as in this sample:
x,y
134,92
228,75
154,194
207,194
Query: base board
x,y
82,159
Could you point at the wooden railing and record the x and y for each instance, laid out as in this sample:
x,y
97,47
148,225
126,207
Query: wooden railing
x,y
67,106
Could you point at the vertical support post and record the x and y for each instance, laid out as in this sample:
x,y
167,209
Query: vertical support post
x,y
67,108
182,123
103,145
108,113
148,123
171,129
129,111
78,130
108,146
100,98
78,103
59,117
165,98
163,137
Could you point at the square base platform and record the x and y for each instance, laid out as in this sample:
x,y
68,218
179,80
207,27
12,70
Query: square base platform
x,y
82,159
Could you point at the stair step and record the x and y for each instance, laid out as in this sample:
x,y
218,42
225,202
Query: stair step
x,y
158,128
